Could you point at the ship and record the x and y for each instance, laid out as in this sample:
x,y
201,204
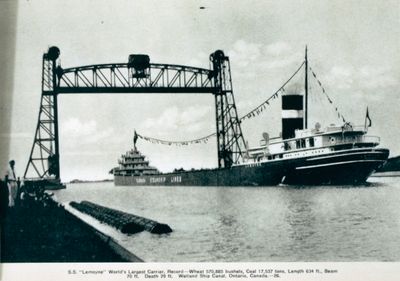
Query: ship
x,y
333,155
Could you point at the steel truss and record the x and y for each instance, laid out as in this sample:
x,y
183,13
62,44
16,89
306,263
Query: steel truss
x,y
124,78
120,78
44,157
230,141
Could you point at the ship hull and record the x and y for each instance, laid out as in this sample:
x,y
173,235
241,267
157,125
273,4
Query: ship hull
x,y
342,167
260,174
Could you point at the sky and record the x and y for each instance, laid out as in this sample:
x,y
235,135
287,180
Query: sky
x,y
353,47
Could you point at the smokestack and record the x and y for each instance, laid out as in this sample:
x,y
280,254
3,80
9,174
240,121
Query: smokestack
x,y
292,114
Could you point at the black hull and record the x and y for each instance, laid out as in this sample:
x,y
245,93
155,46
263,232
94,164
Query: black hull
x,y
341,167
252,175
349,173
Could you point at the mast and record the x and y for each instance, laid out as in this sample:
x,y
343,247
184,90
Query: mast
x,y
306,93
135,138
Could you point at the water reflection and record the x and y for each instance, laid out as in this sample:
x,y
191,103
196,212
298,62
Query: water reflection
x,y
227,228
301,219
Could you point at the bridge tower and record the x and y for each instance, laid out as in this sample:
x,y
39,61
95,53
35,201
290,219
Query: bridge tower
x,y
230,141
44,156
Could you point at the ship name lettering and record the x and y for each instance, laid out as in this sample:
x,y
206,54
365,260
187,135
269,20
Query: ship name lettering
x,y
176,179
140,180
157,180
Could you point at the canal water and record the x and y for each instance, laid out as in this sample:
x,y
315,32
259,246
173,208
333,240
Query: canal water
x,y
256,224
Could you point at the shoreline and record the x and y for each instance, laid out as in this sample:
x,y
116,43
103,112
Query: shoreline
x,y
38,231
111,242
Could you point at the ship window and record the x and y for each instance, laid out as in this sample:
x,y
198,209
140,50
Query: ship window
x,y
303,143
297,144
280,156
311,141
287,146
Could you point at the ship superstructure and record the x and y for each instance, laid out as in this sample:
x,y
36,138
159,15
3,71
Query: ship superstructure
x,y
334,155
134,163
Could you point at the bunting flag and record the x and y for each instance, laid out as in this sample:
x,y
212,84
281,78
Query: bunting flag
x,y
340,116
260,108
177,143
257,110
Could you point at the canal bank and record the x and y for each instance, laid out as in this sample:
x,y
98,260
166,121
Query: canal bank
x,y
44,231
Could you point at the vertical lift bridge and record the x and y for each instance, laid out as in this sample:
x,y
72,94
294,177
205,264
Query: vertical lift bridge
x,y
136,76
